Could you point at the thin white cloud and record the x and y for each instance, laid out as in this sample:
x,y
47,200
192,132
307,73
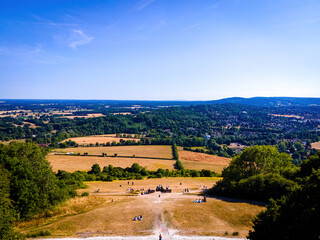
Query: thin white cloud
x,y
142,4
48,22
26,55
78,38
193,26
26,51
218,3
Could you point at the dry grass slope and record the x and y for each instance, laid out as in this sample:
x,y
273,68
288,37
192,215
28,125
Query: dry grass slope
x,y
111,211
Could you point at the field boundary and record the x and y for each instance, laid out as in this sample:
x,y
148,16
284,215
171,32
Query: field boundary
x,y
111,156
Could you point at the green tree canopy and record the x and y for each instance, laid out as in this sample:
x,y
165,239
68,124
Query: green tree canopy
x,y
293,217
6,207
33,185
259,173
258,160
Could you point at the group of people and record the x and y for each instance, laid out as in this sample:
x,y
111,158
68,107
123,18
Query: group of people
x,y
137,218
146,192
200,200
186,190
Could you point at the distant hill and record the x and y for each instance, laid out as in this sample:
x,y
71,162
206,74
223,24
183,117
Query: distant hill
x,y
271,101
256,101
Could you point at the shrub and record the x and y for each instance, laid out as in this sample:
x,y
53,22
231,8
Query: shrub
x,y
40,233
84,194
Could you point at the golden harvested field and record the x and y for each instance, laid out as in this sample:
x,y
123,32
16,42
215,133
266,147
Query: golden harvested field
x,y
111,211
98,138
151,151
316,145
203,165
190,160
73,163
286,116
29,113
122,113
90,115
16,140
31,125
198,161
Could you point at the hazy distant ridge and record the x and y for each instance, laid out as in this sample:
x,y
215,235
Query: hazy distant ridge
x,y
256,101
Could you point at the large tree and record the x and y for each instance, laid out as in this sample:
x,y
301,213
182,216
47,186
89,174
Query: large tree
x,y
297,215
260,172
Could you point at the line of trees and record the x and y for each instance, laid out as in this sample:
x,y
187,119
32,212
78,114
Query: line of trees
x,y
175,153
135,172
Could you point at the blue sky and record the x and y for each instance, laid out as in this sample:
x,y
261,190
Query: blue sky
x,y
159,49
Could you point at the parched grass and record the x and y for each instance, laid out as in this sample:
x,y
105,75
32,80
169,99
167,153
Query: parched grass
x,y
141,151
316,145
111,211
74,163
98,138
150,157
218,168
15,140
111,218
215,217
176,184
199,161
72,207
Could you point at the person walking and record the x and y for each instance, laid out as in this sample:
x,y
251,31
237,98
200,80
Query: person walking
x,y
160,237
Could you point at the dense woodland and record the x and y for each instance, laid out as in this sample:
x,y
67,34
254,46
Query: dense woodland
x,y
213,126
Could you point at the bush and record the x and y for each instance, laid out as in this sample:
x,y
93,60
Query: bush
x,y
84,194
40,233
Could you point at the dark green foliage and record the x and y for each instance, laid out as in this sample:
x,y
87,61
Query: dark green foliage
x,y
178,165
28,186
135,168
307,166
33,185
95,169
259,173
84,194
293,217
175,154
40,233
6,208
